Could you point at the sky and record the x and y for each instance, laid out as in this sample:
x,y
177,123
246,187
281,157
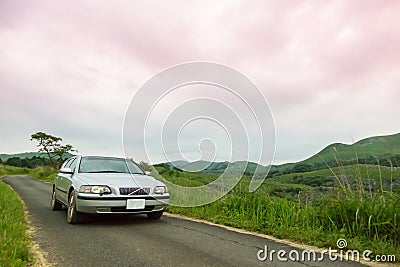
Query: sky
x,y
330,70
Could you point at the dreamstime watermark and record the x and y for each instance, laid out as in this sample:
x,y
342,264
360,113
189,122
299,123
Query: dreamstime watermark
x,y
201,112
328,254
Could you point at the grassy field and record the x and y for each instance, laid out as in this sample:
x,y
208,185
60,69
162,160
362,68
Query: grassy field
x,y
360,203
14,241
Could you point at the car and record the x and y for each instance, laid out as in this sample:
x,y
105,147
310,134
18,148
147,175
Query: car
x,y
107,185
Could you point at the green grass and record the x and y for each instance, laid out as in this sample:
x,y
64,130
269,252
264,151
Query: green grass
x,y
14,241
45,174
10,170
315,214
366,225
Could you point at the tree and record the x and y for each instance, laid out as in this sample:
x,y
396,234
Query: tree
x,y
13,161
50,145
61,150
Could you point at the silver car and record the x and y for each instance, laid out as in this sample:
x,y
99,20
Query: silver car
x,y
107,185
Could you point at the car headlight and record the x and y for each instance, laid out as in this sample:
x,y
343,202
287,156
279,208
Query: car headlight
x,y
159,190
95,189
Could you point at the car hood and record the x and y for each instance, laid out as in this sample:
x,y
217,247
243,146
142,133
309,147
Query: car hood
x,y
119,179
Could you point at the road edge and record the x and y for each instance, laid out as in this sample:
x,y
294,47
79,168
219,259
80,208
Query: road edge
x,y
40,256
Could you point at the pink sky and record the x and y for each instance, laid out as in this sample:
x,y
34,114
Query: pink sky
x,y
329,69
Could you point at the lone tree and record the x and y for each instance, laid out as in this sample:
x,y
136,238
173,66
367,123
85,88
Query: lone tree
x,y
51,146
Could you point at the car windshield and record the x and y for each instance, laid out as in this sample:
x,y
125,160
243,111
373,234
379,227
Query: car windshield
x,y
108,165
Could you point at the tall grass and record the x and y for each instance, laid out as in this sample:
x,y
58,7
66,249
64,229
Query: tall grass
x,y
10,170
370,215
366,218
46,174
14,241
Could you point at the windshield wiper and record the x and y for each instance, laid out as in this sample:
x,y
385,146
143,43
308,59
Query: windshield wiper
x,y
137,173
107,171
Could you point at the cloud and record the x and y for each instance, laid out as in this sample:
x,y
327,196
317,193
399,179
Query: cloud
x,y
330,70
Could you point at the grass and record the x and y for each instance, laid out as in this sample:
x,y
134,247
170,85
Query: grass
x,y
10,170
14,240
15,243
366,216
367,225
45,174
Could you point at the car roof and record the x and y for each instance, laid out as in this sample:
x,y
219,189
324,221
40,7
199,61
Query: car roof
x,y
102,157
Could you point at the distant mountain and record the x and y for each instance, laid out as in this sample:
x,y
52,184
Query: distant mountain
x,y
217,167
181,164
5,157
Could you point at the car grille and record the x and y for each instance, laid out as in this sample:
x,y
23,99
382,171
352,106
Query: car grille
x,y
124,209
136,191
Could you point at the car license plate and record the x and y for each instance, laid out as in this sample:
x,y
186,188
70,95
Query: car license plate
x,y
135,204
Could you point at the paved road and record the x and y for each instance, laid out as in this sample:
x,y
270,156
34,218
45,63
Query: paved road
x,y
136,241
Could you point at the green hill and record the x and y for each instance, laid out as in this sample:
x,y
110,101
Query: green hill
x,y
378,146
365,150
27,155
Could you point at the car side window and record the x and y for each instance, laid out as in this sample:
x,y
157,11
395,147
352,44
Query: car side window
x,y
65,165
72,164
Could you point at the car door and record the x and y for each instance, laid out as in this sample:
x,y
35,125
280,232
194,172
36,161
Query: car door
x,y
59,180
65,180
68,179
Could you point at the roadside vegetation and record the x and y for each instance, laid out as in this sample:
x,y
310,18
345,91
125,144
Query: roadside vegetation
x,y
45,174
360,203
14,240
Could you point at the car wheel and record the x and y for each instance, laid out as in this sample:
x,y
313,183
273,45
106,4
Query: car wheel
x,y
155,215
55,205
73,216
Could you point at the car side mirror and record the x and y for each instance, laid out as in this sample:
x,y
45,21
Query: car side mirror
x,y
66,170
147,172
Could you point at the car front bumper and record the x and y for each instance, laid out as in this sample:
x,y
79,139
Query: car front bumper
x,y
88,203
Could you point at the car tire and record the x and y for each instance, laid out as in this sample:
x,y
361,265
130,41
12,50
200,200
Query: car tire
x,y
73,216
55,204
155,215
